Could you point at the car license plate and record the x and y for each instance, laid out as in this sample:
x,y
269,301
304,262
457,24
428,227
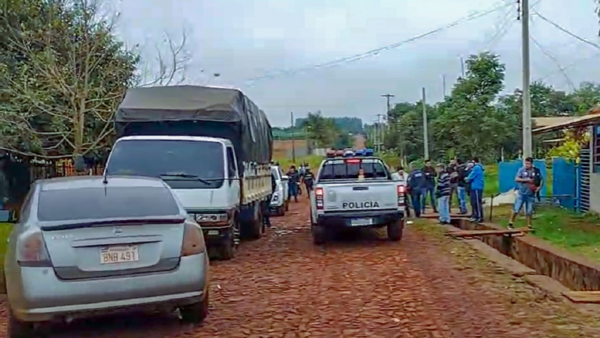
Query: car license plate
x,y
213,232
119,254
361,222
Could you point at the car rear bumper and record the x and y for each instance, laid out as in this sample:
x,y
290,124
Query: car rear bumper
x,y
377,218
38,295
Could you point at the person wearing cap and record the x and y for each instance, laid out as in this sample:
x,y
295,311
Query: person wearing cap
x,y
443,193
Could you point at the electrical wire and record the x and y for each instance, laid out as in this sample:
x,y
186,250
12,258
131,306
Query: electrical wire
x,y
375,52
558,65
501,31
571,65
564,30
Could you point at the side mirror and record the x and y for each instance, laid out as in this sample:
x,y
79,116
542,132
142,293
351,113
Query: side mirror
x,y
285,178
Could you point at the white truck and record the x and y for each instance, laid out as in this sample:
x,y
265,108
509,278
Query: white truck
x,y
279,201
356,192
212,146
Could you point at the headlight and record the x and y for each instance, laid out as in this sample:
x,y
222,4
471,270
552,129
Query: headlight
x,y
204,218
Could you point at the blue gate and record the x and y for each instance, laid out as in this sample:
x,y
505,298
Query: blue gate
x,y
583,181
508,170
565,190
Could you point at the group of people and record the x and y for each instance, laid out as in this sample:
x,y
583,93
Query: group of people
x,y
298,178
441,183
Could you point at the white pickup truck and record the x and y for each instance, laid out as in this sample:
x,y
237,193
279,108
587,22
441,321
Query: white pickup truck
x,y
356,192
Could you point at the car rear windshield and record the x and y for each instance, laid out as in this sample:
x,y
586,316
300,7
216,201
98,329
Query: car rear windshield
x,y
101,203
345,169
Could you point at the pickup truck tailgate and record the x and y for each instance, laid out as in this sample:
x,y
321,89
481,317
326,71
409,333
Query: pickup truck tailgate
x,y
360,196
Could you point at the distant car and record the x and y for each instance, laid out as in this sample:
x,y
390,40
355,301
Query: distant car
x,y
279,200
84,246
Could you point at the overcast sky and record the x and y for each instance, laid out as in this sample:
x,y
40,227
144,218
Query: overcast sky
x,y
245,39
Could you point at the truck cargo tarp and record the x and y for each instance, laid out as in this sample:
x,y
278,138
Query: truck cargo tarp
x,y
197,111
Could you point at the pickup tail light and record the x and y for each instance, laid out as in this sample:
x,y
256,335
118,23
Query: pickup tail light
x,y
401,195
320,201
193,240
32,251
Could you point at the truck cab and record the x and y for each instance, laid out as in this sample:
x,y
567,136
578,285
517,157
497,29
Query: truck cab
x,y
202,171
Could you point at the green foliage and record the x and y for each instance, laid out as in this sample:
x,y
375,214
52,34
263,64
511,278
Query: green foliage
x,y
324,132
347,124
62,75
475,120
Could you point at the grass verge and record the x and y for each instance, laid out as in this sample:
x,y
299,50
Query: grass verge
x,y
575,232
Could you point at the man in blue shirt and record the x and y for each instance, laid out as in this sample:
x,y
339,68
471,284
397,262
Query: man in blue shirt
x,y
415,185
526,179
476,181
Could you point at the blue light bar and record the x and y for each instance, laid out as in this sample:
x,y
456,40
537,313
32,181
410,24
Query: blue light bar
x,y
360,152
369,152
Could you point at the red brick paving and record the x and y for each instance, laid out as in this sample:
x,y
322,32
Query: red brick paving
x,y
365,286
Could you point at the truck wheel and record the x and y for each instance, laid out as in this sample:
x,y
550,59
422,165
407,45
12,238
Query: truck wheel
x,y
319,234
195,313
18,329
281,211
257,227
395,230
228,246
287,205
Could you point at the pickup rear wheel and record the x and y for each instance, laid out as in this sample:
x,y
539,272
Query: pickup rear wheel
x,y
395,230
319,234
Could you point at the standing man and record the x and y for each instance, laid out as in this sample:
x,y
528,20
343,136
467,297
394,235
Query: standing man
x,y
293,183
415,185
443,194
429,188
526,179
461,190
452,170
308,181
476,181
402,178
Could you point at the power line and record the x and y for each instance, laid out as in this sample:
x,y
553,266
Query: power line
x,y
571,65
564,30
558,65
374,52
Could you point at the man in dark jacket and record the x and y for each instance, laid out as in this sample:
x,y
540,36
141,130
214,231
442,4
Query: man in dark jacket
x,y
416,185
308,179
293,183
429,188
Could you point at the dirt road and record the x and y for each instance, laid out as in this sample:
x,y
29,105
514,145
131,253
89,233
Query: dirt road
x,y
365,286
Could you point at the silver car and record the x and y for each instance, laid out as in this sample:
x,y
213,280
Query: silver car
x,y
90,245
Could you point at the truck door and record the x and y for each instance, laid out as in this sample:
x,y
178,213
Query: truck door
x,y
233,178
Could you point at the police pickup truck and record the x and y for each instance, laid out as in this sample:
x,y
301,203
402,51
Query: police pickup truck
x,y
356,192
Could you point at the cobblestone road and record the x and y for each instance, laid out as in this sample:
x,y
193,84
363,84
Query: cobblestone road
x,y
364,286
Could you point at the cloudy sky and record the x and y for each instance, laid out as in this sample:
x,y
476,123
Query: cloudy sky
x,y
249,39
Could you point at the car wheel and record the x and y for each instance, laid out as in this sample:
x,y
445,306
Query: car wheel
x,y
319,234
395,230
18,329
195,313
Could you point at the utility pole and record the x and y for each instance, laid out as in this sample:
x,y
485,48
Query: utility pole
x,y
293,138
425,133
527,142
444,84
389,107
379,131
462,67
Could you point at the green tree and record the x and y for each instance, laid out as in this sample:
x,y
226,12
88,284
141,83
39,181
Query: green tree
x,y
59,94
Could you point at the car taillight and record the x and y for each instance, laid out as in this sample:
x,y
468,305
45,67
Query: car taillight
x,y
32,251
193,240
401,191
319,193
